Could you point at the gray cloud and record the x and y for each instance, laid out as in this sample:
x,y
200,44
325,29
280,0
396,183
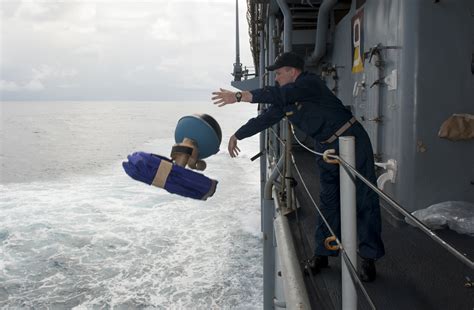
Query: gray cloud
x,y
108,50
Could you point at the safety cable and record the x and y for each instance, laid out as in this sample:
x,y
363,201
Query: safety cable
x,y
283,185
280,173
312,200
303,243
351,267
282,176
276,136
304,146
417,222
271,149
394,204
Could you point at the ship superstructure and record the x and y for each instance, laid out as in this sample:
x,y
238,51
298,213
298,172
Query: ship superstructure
x,y
404,68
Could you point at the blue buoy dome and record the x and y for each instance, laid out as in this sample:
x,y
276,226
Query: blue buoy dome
x,y
203,129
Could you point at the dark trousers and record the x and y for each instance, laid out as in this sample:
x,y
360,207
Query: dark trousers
x,y
368,209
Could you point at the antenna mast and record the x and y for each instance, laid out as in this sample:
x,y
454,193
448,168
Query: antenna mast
x,y
237,65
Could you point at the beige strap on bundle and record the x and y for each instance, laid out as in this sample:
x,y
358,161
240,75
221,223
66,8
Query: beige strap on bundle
x,y
457,127
162,173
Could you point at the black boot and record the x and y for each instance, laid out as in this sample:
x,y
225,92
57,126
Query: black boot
x,y
316,263
367,271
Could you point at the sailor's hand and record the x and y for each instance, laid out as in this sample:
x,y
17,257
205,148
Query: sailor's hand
x,y
223,97
232,147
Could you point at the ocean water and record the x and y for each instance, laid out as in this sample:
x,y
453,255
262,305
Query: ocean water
x,y
76,232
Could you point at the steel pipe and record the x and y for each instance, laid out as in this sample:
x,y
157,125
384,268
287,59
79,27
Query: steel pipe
x,y
268,248
296,296
263,159
321,31
287,47
288,22
348,221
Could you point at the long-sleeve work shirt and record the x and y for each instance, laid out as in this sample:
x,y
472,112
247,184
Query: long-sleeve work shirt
x,y
307,103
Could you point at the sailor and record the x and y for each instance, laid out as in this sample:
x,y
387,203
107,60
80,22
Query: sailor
x,y
309,105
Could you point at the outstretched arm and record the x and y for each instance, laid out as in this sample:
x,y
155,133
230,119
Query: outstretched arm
x,y
268,118
224,96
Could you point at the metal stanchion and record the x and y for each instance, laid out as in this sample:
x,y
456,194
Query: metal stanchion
x,y
348,221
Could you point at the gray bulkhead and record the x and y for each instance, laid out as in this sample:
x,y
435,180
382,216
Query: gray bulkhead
x,y
431,45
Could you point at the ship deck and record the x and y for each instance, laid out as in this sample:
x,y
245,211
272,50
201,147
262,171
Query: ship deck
x,y
415,273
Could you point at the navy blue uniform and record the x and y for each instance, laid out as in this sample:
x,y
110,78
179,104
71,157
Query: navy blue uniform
x,y
315,110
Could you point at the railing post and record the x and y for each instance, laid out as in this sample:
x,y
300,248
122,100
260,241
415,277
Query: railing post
x,y
348,220
287,47
263,158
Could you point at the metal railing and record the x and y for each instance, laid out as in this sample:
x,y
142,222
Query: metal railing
x,y
394,204
349,174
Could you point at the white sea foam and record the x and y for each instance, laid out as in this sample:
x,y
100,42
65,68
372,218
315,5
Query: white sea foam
x,y
101,239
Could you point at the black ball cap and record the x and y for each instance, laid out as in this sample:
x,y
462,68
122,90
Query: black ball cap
x,y
288,59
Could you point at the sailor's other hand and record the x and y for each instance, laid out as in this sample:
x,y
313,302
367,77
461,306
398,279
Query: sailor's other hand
x,y
232,147
223,97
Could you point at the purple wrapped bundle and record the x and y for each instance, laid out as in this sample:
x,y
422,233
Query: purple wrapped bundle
x,y
160,171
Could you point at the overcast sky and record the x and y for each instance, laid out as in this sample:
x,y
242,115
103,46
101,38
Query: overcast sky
x,y
118,50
